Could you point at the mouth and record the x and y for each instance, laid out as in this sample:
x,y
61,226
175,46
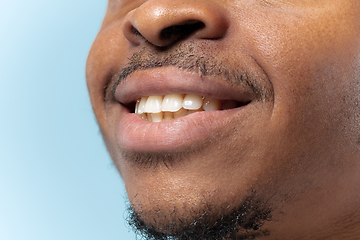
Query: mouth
x,y
164,108
167,110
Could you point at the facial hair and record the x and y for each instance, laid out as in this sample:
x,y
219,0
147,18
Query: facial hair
x,y
212,222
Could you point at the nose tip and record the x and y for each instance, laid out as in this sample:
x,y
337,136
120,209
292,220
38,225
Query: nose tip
x,y
162,23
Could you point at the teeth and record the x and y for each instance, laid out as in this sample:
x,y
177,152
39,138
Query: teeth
x,y
143,116
153,104
182,112
168,116
166,108
137,106
192,102
141,106
211,104
157,117
172,103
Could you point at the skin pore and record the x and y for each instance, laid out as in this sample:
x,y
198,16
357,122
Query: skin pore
x,y
282,165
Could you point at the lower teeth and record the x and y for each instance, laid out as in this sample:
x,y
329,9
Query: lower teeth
x,y
166,116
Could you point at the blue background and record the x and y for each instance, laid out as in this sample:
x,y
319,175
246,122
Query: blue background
x,y
56,178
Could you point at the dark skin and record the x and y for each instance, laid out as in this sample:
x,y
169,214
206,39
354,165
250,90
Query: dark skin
x,y
291,148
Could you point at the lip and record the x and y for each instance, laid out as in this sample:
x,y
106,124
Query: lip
x,y
135,134
168,80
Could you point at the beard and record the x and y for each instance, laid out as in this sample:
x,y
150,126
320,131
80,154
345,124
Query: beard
x,y
205,221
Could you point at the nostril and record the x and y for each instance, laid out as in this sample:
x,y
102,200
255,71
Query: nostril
x,y
180,31
135,31
162,23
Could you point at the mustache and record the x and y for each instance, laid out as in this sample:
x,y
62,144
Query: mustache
x,y
198,59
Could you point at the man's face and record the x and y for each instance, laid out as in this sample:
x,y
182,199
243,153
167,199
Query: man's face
x,y
277,154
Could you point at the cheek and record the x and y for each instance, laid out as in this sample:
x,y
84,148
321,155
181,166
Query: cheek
x,y
309,58
106,56
310,61
304,44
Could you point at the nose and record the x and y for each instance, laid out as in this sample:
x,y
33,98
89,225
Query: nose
x,y
164,22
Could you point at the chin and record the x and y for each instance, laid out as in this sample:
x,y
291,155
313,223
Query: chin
x,y
208,218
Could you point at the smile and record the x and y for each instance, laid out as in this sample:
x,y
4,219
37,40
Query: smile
x,y
161,108
171,110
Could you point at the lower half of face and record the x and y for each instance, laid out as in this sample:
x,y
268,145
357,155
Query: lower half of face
x,y
256,162
265,166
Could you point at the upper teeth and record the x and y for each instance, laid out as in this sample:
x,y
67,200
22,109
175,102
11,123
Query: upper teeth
x,y
165,108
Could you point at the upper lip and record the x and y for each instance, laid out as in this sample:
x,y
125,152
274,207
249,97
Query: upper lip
x,y
169,80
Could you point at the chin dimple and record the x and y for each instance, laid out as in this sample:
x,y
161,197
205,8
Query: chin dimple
x,y
160,108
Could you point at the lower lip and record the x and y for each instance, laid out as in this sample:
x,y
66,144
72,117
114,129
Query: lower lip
x,y
135,134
